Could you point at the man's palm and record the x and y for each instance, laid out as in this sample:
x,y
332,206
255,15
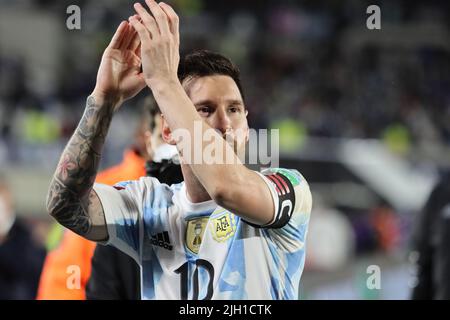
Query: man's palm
x,y
119,73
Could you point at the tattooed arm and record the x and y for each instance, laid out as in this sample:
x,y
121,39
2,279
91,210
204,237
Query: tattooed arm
x,y
71,199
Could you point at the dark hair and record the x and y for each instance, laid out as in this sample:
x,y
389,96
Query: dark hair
x,y
203,63
149,112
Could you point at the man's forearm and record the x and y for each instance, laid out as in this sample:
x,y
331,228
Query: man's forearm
x,y
70,190
180,113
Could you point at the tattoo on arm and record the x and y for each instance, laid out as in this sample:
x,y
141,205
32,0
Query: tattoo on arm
x,y
71,200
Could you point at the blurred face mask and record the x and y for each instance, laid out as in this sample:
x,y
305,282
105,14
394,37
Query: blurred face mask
x,y
6,218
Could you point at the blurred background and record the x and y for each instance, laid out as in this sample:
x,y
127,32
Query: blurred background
x,y
363,114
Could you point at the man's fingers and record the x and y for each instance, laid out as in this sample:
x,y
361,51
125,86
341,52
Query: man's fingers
x,y
124,38
118,36
147,20
134,40
160,17
173,18
137,51
140,29
129,37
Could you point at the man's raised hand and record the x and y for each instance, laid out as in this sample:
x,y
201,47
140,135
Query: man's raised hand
x,y
119,77
160,41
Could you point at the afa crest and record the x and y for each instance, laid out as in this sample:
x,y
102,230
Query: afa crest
x,y
223,227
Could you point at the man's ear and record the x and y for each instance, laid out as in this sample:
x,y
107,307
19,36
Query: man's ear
x,y
166,133
247,133
148,144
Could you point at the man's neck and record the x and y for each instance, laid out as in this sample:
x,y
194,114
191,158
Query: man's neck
x,y
194,189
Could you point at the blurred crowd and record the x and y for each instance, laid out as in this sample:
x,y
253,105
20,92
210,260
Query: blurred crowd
x,y
304,69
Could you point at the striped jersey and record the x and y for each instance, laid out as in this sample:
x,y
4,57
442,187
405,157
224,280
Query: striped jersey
x,y
203,251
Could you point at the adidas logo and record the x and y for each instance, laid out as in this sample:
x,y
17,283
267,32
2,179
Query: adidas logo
x,y
162,240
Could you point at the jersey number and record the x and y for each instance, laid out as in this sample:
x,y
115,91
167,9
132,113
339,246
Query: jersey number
x,y
184,279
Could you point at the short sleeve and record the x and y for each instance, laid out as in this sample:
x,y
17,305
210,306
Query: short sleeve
x,y
123,207
292,202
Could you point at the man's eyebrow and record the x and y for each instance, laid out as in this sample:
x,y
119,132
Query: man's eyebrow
x,y
203,103
209,102
235,102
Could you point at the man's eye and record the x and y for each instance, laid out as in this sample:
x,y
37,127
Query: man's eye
x,y
234,109
204,110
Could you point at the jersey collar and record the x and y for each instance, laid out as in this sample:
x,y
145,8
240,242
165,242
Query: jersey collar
x,y
191,209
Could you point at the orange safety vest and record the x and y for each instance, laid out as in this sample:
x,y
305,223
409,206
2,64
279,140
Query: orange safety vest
x,y
67,269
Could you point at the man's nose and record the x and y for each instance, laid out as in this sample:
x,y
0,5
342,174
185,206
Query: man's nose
x,y
223,122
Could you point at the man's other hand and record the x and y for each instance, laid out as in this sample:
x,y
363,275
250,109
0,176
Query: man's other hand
x,y
119,77
160,41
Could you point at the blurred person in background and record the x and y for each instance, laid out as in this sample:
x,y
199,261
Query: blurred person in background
x,y
21,258
112,274
431,242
